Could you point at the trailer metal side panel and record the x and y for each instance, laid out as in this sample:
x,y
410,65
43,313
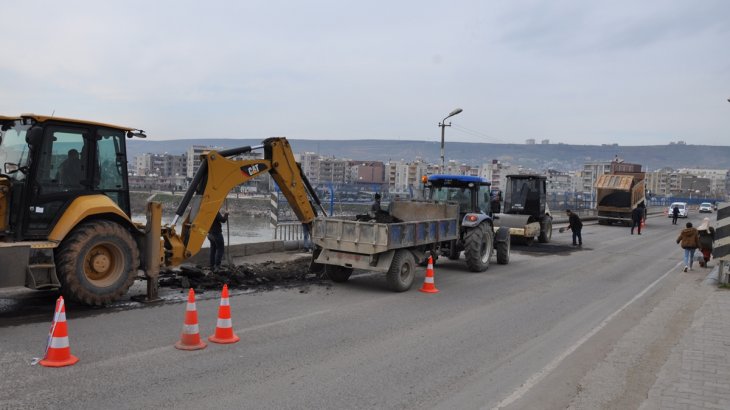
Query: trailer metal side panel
x,y
371,237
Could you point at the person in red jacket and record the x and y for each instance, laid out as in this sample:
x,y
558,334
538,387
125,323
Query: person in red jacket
x,y
707,237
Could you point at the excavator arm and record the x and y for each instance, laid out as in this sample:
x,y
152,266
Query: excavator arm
x,y
218,174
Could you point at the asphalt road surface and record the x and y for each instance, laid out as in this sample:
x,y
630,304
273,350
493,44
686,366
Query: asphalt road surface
x,y
522,335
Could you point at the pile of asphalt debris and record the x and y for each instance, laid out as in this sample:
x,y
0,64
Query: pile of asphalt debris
x,y
264,276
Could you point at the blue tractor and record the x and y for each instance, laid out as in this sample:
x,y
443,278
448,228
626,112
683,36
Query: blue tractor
x,y
478,237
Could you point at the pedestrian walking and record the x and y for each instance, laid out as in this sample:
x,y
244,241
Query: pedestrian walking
x,y
575,225
689,240
675,214
217,244
637,215
707,239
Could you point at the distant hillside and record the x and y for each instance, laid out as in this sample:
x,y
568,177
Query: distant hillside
x,y
538,157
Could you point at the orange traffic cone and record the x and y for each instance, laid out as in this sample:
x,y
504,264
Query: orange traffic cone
x,y
190,338
58,351
428,284
224,328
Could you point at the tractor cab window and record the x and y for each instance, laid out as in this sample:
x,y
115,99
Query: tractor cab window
x,y
485,198
63,161
112,166
14,153
110,160
462,195
523,196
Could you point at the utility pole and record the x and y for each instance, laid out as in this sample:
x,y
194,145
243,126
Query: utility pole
x,y
443,126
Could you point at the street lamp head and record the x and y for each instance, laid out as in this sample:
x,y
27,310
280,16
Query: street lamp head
x,y
452,113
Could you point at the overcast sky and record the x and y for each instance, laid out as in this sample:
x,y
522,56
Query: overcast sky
x,y
577,72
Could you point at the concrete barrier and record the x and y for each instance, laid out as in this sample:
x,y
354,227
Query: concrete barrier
x,y
246,249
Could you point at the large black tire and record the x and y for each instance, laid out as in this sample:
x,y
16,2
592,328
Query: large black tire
x,y
503,249
402,271
97,263
454,251
478,246
546,230
337,273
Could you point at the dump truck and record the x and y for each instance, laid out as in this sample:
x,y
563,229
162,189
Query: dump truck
x,y
454,217
617,195
526,212
65,220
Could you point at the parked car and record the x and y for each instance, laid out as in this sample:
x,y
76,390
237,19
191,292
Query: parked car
x,y
683,210
705,207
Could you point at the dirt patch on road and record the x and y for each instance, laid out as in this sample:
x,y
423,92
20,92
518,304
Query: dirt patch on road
x,y
257,276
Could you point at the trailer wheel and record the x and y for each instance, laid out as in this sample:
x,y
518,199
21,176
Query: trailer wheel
x,y
503,249
402,271
97,262
454,251
478,246
546,230
337,273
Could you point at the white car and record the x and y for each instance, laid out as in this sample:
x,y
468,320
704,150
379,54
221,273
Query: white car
x,y
683,211
705,207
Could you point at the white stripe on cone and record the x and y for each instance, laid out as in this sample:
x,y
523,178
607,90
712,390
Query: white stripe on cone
x,y
190,307
225,302
224,323
429,279
59,342
190,329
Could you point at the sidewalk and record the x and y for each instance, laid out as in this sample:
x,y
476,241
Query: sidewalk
x,y
697,373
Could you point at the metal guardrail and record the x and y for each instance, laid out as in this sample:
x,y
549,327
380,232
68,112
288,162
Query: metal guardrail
x,y
289,231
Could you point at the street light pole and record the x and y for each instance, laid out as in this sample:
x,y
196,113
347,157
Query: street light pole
x,y
443,126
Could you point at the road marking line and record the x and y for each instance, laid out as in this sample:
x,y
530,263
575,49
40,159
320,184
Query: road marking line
x,y
278,322
160,349
542,373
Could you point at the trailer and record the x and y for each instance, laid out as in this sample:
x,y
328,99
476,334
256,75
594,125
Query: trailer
x,y
393,248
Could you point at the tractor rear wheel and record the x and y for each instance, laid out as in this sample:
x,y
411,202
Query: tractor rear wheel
x,y
478,246
97,262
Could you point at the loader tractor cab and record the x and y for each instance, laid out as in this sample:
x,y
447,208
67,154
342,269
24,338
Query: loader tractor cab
x,y
50,162
64,207
525,209
477,235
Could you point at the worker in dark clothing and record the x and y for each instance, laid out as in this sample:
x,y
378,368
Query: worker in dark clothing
x,y
637,215
217,245
496,202
575,225
375,207
675,214
70,172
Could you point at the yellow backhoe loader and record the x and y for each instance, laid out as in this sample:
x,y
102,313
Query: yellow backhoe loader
x,y
65,217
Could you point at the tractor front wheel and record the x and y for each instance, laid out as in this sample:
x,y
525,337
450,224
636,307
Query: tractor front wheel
x,y
478,246
97,262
